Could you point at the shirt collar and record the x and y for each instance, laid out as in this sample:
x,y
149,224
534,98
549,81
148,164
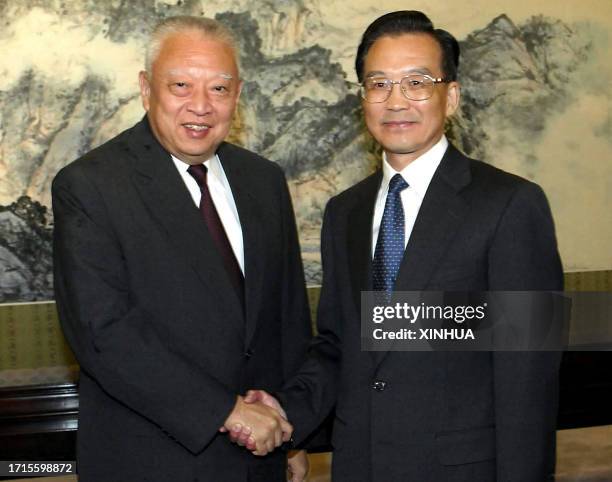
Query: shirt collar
x,y
419,172
213,165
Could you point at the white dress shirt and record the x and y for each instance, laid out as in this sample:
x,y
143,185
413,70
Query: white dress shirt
x,y
221,194
418,175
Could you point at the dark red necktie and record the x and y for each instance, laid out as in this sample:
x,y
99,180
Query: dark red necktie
x,y
216,229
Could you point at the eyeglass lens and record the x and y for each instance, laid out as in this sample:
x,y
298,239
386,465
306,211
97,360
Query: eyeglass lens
x,y
414,87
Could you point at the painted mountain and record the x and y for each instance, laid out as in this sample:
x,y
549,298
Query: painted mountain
x,y
68,84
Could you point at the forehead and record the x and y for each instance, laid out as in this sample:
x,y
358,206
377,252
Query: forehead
x,y
192,51
404,53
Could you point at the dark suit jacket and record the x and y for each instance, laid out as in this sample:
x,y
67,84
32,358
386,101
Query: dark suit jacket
x,y
159,332
440,416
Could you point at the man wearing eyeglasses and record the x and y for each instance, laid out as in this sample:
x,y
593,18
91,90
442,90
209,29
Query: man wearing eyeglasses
x,y
430,219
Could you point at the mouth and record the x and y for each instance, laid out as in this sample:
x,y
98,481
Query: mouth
x,y
196,127
400,124
196,131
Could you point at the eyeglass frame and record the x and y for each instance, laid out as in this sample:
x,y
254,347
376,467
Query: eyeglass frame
x,y
434,80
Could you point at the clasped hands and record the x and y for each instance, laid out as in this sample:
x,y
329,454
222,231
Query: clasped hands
x,y
258,422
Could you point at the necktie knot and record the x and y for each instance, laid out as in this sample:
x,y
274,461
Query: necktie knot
x,y
198,172
397,184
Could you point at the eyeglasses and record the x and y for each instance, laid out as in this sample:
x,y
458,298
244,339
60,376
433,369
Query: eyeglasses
x,y
414,87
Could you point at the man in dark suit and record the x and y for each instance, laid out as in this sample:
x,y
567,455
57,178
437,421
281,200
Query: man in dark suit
x,y
178,279
430,219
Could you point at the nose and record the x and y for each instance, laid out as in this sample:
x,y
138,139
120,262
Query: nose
x,y
199,102
397,100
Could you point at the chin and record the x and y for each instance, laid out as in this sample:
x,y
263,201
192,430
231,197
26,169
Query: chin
x,y
194,149
399,149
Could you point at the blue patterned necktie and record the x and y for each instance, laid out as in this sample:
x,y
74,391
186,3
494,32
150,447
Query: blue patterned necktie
x,y
390,244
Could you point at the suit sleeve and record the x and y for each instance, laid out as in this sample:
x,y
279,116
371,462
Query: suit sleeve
x,y
296,324
524,257
310,396
111,332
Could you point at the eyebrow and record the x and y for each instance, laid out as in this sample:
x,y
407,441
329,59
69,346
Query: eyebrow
x,y
416,70
223,75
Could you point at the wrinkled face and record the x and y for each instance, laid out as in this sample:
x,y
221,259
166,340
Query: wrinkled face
x,y
191,95
406,128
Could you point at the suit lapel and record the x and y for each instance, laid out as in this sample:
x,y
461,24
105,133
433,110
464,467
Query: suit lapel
x,y
359,237
442,212
168,200
251,222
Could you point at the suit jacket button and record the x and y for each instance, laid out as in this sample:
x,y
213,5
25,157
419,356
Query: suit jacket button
x,y
248,353
379,385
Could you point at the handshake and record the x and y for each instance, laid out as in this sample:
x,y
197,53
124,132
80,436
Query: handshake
x,y
258,422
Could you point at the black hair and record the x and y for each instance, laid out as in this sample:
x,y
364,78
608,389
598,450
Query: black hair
x,y
409,21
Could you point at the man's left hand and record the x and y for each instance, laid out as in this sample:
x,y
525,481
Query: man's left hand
x,y
298,465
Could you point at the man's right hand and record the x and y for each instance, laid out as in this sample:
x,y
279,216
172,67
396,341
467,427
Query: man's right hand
x,y
241,434
267,427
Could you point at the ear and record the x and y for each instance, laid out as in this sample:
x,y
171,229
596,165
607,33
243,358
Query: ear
x,y
453,94
239,91
145,89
